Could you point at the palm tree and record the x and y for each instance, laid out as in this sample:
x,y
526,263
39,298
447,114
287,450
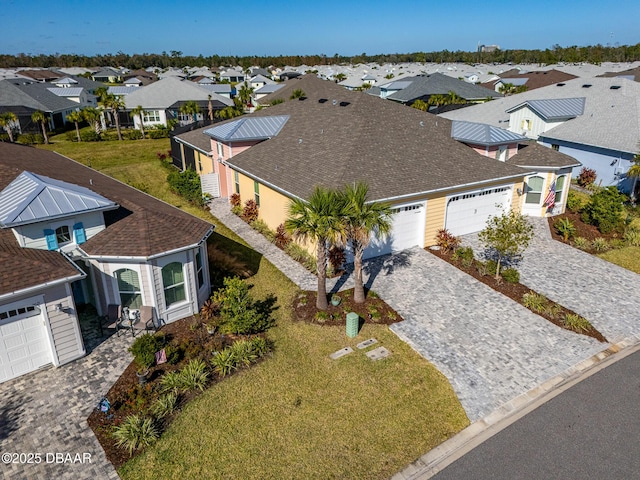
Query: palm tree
x,y
139,112
7,121
245,94
317,220
362,219
297,93
420,105
76,117
210,108
114,104
40,117
339,77
92,116
190,108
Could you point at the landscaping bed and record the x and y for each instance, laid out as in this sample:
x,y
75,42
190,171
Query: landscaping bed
x,y
547,309
373,310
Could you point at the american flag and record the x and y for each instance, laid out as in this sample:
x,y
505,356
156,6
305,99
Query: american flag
x,y
550,199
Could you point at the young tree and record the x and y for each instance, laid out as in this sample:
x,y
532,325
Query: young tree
x,y
362,219
297,93
139,112
92,116
41,118
7,121
508,234
190,108
317,220
114,104
76,118
245,94
420,105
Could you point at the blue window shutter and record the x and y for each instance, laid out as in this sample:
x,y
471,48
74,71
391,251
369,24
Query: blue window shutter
x,y
50,235
78,233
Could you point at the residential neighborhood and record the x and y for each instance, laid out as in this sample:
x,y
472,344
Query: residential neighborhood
x,y
198,211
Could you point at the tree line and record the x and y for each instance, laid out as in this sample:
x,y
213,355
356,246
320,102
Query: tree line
x,y
573,54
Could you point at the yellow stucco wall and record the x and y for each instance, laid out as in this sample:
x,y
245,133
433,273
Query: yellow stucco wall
x,y
273,205
204,163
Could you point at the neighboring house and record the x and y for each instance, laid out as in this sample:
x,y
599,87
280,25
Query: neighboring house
x,y
107,75
133,82
422,87
260,81
142,76
70,235
222,89
162,101
531,80
41,75
24,97
335,137
192,150
604,138
630,74
232,75
551,167
534,117
266,90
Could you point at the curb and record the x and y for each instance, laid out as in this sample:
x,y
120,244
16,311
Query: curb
x,y
452,449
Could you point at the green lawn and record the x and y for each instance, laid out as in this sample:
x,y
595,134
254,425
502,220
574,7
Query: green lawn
x,y
627,257
298,414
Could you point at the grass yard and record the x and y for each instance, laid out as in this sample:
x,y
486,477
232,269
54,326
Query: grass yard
x,y
627,257
298,414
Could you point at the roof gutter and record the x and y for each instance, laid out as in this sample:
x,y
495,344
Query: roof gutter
x,y
62,215
154,256
179,140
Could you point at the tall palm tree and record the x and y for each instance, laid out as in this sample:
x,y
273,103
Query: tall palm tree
x,y
139,112
210,108
7,121
92,116
41,118
76,117
114,104
245,94
363,218
190,108
420,105
317,220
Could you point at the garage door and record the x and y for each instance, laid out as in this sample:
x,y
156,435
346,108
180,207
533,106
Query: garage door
x,y
407,231
469,212
24,343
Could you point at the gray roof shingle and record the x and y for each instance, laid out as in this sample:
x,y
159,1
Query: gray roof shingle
x,y
439,84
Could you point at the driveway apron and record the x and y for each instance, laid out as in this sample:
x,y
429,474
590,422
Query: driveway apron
x,y
45,412
489,347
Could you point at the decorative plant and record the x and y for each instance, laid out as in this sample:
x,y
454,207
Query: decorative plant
x,y
282,237
586,177
234,200
576,323
565,227
135,432
534,301
581,243
510,275
165,405
632,236
446,240
600,244
337,258
250,211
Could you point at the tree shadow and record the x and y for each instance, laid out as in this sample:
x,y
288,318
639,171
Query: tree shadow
x,y
512,261
10,412
348,271
228,258
387,264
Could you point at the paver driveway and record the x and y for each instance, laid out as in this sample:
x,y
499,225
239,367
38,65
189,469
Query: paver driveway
x,y
490,348
45,412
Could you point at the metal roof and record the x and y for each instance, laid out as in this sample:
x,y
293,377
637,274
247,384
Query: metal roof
x,y
483,134
554,108
66,91
123,90
249,128
66,81
269,88
514,81
32,198
397,85
217,87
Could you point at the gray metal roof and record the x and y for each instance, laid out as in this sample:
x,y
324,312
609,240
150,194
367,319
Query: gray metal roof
x,y
32,198
66,81
514,81
66,91
555,108
269,88
397,85
123,90
248,128
17,92
483,134
217,87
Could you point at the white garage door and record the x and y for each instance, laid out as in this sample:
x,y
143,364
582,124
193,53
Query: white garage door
x,y
407,231
469,212
24,343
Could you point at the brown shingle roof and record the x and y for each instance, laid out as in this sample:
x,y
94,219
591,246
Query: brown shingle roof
x,y
532,154
397,150
535,80
197,138
143,226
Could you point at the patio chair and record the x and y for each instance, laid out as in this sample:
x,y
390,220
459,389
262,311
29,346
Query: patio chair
x,y
147,318
126,322
111,318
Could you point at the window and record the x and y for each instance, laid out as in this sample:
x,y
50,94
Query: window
x,y
555,146
62,235
526,124
150,116
129,288
533,189
256,192
236,181
173,283
199,270
559,187
220,150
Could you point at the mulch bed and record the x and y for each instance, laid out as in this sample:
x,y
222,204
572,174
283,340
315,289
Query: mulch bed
x,y
128,397
583,230
514,291
373,310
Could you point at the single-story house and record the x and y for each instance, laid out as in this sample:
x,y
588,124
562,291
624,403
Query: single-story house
x,y
70,235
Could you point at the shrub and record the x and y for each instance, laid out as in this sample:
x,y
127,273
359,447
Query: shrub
x,y
553,310
243,351
158,131
446,240
576,323
174,354
534,301
581,243
237,210
321,316
194,375
234,200
187,185
492,266
135,432
133,134
299,254
276,101
632,236
31,139
224,362
239,312
575,202
89,136
165,405
510,275
283,238
565,227
171,381
586,177
464,255
600,244
144,349
250,211
261,227
604,210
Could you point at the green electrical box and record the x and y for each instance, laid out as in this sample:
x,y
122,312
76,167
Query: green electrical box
x,y
353,322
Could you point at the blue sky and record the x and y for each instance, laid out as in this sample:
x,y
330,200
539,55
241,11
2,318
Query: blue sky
x,y
286,27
